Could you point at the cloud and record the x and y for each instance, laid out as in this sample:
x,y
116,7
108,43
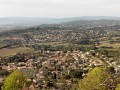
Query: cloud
x,y
59,8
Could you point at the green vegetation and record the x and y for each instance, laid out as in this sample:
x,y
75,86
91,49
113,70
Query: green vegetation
x,y
118,87
100,78
94,80
16,81
54,43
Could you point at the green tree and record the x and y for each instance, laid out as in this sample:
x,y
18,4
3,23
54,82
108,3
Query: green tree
x,y
15,81
118,87
94,79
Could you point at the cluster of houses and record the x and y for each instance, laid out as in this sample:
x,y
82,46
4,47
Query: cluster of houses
x,y
54,65
54,35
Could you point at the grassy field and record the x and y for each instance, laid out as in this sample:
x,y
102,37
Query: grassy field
x,y
9,52
7,38
115,45
1,44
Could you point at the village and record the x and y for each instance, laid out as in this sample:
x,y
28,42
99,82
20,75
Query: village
x,y
57,69
59,56
60,34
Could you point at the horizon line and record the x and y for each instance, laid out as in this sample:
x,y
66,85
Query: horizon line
x,y
53,17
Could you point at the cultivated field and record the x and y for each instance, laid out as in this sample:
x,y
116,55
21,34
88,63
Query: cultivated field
x,y
107,44
9,52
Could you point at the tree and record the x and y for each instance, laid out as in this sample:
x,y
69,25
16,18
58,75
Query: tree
x,y
118,87
94,79
76,74
15,81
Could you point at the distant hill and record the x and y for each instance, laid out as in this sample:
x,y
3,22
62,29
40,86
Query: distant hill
x,y
38,21
94,23
10,23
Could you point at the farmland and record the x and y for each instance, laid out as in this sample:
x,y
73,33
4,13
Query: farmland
x,y
8,52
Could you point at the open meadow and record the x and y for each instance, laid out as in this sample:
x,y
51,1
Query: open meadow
x,y
8,52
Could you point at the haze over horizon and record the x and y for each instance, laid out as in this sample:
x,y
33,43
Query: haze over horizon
x,y
59,8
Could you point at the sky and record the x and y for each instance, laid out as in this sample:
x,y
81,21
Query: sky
x,y
59,8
